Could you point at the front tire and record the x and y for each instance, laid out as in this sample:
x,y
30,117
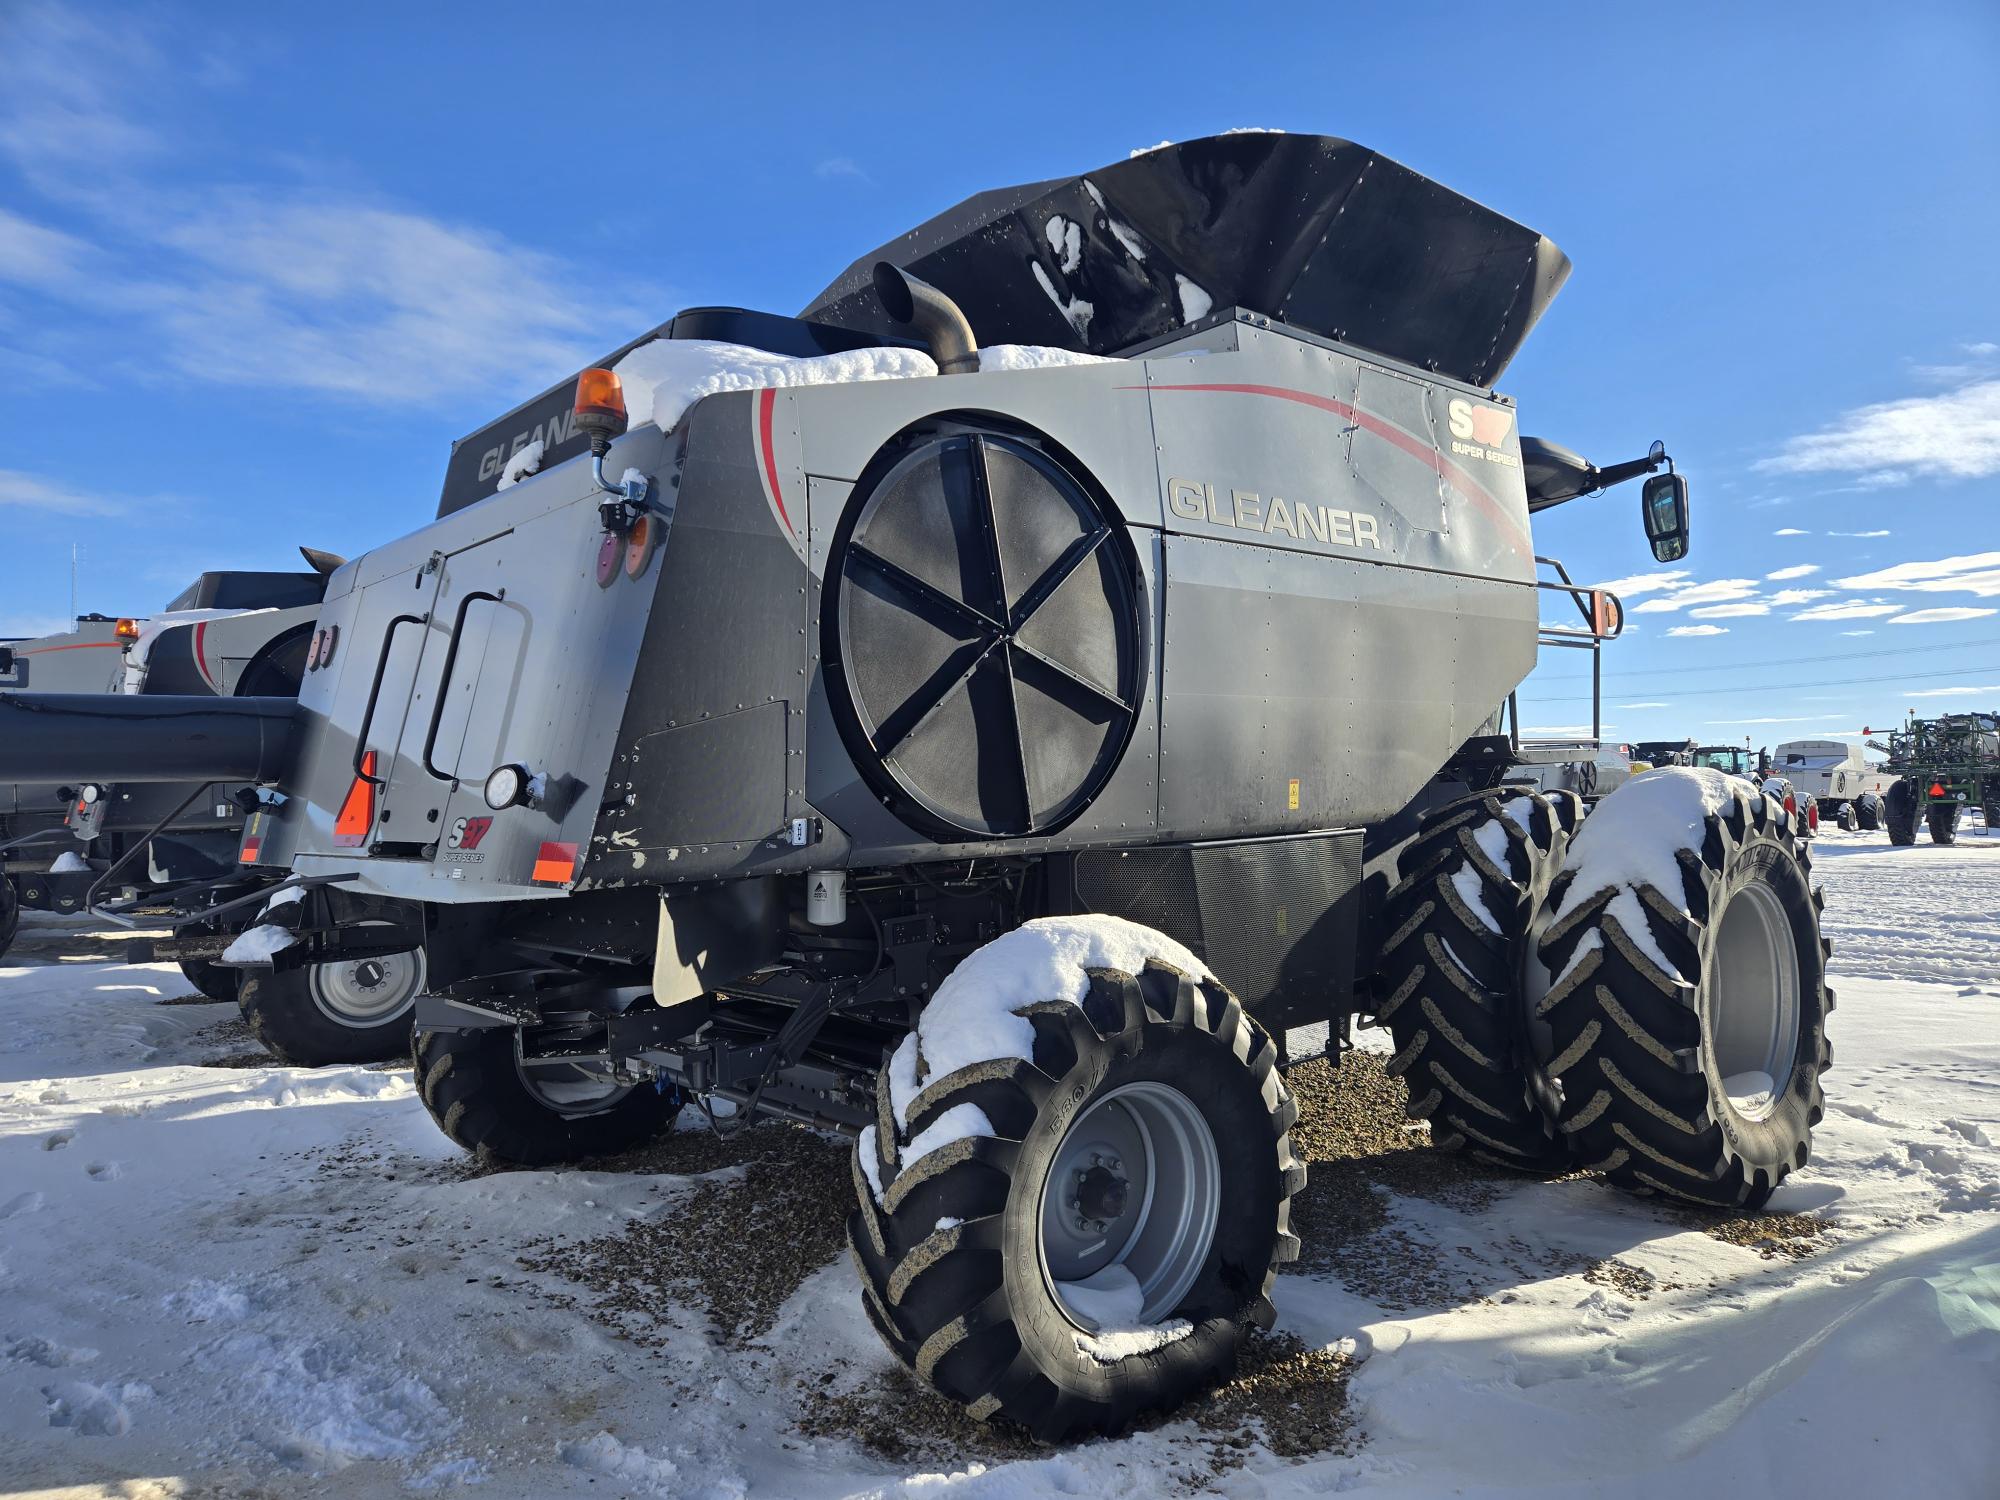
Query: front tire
x,y
1451,970
1868,812
1104,1251
346,1010
1899,813
476,1088
1689,1018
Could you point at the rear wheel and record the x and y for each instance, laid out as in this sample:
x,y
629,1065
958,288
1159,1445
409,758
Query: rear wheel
x,y
1943,820
1849,820
346,1010
484,1097
1688,1011
1450,973
1077,1237
1899,813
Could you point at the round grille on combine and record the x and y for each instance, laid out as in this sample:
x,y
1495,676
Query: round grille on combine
x,y
984,650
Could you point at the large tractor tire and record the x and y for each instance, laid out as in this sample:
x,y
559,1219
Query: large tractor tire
x,y
482,1096
1848,819
10,914
1899,813
1943,820
1868,812
345,1010
1451,970
1072,1210
1688,1005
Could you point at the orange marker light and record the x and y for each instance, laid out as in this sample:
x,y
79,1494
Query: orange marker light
x,y
126,630
599,394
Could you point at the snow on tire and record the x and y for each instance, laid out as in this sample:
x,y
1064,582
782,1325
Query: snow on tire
x,y
1450,971
1075,1198
1687,1010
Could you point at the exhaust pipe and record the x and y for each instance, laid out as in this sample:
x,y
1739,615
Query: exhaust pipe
x,y
143,737
929,314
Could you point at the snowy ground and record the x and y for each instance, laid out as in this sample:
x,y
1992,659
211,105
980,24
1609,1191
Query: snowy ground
x,y
256,1280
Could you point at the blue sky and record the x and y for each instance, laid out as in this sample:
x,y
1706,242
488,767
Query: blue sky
x,y
259,265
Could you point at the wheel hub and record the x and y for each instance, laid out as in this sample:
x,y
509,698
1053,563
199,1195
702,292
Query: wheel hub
x,y
1101,1194
364,992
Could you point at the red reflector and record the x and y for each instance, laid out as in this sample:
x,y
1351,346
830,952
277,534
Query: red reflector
x,y
357,813
248,854
555,864
1937,789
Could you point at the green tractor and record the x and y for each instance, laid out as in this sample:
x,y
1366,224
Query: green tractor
x,y
1942,766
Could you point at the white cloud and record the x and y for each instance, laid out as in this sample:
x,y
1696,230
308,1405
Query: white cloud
x,y
1562,731
294,286
841,166
1785,598
1975,573
1722,590
1953,435
1857,632
1793,719
1790,531
1699,630
1800,570
34,493
1855,611
1859,533
1729,611
1646,583
1957,692
1942,616
1645,705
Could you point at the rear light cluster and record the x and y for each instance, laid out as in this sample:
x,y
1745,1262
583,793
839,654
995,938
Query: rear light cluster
x,y
320,652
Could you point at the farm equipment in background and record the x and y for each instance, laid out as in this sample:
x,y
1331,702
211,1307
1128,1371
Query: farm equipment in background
x,y
1942,766
999,764
1838,776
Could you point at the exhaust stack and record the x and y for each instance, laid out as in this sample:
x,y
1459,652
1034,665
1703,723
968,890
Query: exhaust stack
x,y
931,315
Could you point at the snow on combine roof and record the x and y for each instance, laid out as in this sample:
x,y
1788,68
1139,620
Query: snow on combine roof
x,y
1325,234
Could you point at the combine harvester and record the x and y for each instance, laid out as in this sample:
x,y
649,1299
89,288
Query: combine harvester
x,y
998,762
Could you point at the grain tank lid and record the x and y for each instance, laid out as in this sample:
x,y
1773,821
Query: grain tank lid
x,y
1320,232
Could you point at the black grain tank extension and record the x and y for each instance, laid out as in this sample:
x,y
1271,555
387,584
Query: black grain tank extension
x,y
1325,234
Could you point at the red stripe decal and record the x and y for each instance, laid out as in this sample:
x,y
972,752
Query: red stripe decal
x,y
79,646
200,663
1443,467
767,401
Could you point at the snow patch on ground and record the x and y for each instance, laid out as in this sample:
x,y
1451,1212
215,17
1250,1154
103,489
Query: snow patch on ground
x,y
666,377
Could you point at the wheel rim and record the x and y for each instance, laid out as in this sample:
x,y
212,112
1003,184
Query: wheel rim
x,y
570,1089
1754,1009
1128,1211
366,992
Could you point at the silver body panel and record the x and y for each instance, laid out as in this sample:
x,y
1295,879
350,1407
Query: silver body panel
x,y
1338,584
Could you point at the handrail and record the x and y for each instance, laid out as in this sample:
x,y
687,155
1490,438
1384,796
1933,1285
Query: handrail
x,y
444,676
375,692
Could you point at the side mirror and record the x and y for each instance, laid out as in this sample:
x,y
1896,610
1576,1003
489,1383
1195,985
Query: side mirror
x,y
1663,507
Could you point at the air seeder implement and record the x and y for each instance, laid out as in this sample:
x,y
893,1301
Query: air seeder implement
x,y
1001,762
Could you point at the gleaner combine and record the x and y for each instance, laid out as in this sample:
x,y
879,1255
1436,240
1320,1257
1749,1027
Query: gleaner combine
x,y
998,765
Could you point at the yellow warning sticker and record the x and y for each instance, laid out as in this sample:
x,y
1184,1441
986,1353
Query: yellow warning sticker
x,y
1292,796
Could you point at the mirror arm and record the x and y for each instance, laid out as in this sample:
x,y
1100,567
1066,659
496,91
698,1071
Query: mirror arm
x,y
1603,479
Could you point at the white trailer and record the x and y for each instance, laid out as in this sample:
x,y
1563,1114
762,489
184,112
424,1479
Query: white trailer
x,y
1830,771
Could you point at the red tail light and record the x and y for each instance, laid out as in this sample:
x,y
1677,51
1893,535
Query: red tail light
x,y
357,813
